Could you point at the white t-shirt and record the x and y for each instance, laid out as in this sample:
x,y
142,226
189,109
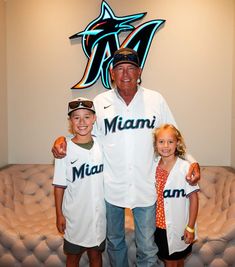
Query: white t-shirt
x,y
126,136
81,172
176,205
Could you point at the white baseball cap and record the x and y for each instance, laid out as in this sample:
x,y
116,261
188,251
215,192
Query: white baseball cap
x,y
80,103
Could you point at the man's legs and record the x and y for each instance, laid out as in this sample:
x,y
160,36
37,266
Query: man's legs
x,y
145,226
116,244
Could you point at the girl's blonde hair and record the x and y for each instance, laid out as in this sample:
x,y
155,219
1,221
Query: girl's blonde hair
x,y
180,149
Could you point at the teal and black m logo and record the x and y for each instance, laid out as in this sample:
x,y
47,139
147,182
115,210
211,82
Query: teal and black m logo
x,y
100,40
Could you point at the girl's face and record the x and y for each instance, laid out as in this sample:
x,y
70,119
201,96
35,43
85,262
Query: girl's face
x,y
82,121
166,143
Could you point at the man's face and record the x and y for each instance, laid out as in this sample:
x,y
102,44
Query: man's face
x,y
125,76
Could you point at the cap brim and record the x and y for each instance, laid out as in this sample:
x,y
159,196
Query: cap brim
x,y
81,108
126,62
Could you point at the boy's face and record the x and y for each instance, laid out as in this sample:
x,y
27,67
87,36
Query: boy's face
x,y
82,121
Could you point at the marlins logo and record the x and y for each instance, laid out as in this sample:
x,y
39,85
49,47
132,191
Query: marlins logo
x,y
100,40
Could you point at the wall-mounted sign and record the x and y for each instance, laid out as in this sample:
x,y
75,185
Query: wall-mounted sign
x,y
100,40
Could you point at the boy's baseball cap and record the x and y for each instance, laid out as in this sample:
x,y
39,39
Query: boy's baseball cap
x,y
126,55
80,103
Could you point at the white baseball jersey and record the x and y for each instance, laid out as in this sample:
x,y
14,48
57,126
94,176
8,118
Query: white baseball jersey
x,y
81,172
126,136
176,205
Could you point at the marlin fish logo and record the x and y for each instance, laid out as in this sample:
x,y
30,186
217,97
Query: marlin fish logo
x,y
100,40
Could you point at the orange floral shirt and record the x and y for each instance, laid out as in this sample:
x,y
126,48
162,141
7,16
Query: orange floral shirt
x,y
161,178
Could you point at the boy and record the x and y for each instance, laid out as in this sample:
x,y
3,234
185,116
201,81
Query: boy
x,y
78,189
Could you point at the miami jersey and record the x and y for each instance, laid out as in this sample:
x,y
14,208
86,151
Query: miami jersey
x,y
126,132
176,204
81,173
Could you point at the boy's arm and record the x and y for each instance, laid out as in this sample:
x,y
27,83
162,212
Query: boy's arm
x,y
193,211
60,219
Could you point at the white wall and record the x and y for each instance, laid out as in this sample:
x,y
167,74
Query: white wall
x,y
190,62
3,88
233,101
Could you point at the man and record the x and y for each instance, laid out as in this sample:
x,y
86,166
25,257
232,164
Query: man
x,y
126,117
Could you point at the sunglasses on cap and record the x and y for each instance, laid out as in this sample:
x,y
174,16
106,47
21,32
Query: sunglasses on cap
x,y
80,103
126,57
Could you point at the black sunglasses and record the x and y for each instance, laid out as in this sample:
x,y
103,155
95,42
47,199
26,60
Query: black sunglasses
x,y
125,57
80,103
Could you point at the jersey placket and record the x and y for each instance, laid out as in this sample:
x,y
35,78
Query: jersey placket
x,y
129,143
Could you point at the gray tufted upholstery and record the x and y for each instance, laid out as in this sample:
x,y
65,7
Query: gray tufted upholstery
x,y
216,219
28,235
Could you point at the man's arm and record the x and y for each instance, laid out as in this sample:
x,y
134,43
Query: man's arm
x,y
193,175
59,148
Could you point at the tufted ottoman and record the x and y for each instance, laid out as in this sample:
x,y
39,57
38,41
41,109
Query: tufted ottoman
x,y
28,234
216,219
29,238
27,221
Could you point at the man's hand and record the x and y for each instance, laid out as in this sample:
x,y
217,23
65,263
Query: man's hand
x,y
59,148
193,175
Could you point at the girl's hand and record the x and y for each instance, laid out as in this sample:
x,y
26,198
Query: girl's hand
x,y
61,223
188,237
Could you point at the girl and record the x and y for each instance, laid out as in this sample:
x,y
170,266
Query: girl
x,y
177,201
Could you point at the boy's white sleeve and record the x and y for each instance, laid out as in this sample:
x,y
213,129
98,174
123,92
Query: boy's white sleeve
x,y
59,177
